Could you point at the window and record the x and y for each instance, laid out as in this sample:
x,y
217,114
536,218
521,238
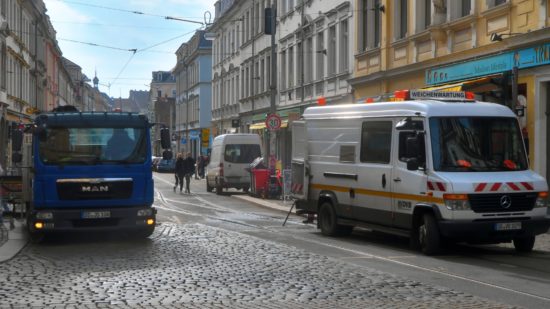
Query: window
x,y
331,53
320,56
376,142
344,46
241,153
423,15
460,8
300,63
291,67
308,65
493,3
371,24
283,69
347,154
400,19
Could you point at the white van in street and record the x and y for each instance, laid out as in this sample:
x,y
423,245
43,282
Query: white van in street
x,y
231,155
435,167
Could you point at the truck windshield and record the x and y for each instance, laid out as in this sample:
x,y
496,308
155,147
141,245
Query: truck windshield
x,y
93,145
473,144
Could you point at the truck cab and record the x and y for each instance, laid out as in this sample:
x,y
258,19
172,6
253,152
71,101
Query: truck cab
x,y
89,171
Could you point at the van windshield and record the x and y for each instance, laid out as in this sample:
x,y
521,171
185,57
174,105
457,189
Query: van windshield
x,y
466,144
241,153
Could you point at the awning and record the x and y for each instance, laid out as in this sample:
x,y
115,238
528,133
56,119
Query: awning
x,y
475,85
261,125
257,126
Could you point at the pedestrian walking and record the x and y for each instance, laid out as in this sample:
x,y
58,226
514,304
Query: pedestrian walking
x,y
189,169
179,171
197,167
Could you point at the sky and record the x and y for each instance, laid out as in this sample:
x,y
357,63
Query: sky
x,y
112,25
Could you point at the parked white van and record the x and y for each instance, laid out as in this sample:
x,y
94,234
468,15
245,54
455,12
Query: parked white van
x,y
231,155
437,168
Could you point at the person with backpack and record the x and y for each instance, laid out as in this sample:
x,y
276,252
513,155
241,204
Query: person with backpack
x,y
188,169
179,172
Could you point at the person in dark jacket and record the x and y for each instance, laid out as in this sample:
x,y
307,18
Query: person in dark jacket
x,y
189,169
180,171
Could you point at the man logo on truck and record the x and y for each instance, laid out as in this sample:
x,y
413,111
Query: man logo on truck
x,y
95,189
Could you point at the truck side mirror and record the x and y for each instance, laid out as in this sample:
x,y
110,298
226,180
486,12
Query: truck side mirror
x,y
165,138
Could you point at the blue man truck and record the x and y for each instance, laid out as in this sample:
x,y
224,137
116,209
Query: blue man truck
x,y
89,171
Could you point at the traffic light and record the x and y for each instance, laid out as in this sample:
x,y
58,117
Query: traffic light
x,y
165,138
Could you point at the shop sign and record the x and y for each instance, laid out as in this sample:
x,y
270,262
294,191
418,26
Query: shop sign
x,y
523,58
193,135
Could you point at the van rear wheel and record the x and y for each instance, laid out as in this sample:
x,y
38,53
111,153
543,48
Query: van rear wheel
x,y
328,222
208,187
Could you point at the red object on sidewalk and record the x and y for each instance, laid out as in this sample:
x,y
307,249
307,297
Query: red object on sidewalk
x,y
260,184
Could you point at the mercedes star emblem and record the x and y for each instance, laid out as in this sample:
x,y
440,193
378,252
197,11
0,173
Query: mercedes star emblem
x,y
505,201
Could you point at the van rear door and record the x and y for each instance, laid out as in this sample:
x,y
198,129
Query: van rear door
x,y
237,157
300,179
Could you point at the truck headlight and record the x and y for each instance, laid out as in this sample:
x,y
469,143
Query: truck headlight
x,y
542,200
44,215
145,212
456,201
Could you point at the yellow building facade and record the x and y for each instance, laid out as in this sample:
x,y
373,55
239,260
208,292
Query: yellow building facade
x,y
498,49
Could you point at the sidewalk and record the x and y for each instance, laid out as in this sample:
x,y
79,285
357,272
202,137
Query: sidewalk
x,y
12,240
273,204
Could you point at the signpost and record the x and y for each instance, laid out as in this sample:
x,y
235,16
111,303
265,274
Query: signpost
x,y
273,122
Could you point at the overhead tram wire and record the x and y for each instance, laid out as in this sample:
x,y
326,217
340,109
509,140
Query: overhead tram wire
x,y
131,12
99,45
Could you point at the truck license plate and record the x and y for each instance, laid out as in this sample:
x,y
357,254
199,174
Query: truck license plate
x,y
508,226
96,214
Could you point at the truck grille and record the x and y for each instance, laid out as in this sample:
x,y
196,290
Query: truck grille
x,y
106,190
492,202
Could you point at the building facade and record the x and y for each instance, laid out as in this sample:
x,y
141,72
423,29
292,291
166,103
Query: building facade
x,y
497,49
313,42
161,100
193,73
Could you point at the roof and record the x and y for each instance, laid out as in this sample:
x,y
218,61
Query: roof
x,y
427,108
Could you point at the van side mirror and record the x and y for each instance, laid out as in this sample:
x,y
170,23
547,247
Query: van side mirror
x,y
165,138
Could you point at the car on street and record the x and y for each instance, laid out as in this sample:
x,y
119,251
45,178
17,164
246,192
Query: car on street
x,y
166,166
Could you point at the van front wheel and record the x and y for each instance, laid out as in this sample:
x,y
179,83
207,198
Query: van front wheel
x,y
428,235
524,244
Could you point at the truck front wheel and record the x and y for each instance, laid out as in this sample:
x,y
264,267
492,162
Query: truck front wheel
x,y
146,232
524,244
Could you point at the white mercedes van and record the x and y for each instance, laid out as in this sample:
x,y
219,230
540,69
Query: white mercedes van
x,y
230,157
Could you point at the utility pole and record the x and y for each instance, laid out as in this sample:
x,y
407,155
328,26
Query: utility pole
x,y
270,149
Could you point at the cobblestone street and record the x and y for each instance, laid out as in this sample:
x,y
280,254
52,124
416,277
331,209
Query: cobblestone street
x,y
200,266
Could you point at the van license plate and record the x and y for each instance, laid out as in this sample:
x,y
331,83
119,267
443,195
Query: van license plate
x,y
96,214
508,226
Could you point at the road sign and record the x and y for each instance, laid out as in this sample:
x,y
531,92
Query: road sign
x,y
273,122
183,141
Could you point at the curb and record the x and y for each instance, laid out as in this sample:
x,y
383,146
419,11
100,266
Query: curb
x,y
17,240
266,203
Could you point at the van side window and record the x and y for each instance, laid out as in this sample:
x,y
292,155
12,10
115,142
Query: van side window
x,y
376,142
347,154
403,147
